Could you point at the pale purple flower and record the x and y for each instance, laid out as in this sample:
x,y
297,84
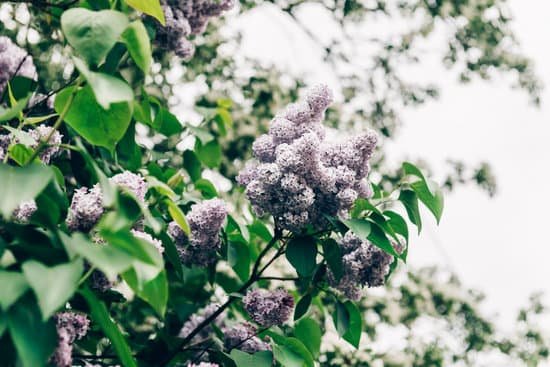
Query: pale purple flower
x,y
185,18
268,308
86,209
243,337
148,238
205,221
14,61
5,141
364,265
196,319
70,326
24,211
133,182
203,364
40,133
298,177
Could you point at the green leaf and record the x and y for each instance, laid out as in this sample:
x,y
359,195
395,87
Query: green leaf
x,y
177,215
398,224
291,352
259,359
139,249
333,257
149,7
434,202
98,126
154,292
107,88
53,286
21,184
192,164
207,188
432,196
13,286
355,324
3,323
301,253
12,112
110,260
210,154
166,123
360,227
341,318
38,119
238,257
378,238
93,33
139,45
33,338
410,201
20,153
302,306
101,316
309,333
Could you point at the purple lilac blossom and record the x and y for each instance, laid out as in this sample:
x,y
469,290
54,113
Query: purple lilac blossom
x,y
52,149
243,337
198,318
267,307
205,221
14,61
70,326
297,176
133,182
364,265
86,209
24,211
5,141
185,18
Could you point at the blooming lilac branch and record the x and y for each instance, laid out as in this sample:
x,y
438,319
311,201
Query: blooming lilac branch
x,y
255,276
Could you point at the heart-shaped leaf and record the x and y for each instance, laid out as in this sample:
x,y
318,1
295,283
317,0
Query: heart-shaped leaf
x,y
93,33
98,126
53,286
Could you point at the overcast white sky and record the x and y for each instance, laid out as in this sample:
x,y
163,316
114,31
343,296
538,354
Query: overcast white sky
x,y
497,245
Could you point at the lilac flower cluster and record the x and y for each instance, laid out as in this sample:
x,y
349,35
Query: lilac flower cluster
x,y
14,61
269,308
41,133
86,209
24,211
147,237
134,183
196,319
205,221
4,145
185,18
243,337
71,326
87,203
298,177
364,265
203,364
